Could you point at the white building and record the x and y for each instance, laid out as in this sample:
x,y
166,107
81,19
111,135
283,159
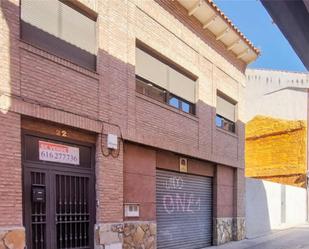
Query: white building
x,y
280,94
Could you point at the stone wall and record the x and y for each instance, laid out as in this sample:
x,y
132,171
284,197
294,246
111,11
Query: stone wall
x,y
128,235
228,229
139,235
12,238
223,230
239,228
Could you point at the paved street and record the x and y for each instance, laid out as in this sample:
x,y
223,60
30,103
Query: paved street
x,y
293,238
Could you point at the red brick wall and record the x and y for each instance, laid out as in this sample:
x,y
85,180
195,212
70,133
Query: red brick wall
x,y
140,179
170,161
10,170
109,186
50,88
159,125
196,27
165,127
239,193
52,84
110,96
140,163
224,192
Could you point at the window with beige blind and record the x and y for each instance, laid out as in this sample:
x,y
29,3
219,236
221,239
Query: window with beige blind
x,y
61,30
158,80
225,113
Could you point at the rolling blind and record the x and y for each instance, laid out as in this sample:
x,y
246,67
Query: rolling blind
x,y
77,29
226,109
164,76
181,85
42,14
61,21
151,69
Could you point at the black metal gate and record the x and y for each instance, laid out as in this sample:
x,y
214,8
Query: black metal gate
x,y
59,198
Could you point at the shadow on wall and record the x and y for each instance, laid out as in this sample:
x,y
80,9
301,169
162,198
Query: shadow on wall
x,y
271,206
192,24
257,209
36,92
66,94
6,54
42,94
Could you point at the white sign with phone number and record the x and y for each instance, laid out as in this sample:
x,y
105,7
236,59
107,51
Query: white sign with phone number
x,y
58,153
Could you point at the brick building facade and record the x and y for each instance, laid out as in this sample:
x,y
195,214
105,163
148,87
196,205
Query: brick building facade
x,y
50,101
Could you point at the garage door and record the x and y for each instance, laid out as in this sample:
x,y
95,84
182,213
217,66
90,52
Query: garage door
x,y
184,210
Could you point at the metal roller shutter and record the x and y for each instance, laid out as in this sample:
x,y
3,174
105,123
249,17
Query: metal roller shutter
x,y
184,210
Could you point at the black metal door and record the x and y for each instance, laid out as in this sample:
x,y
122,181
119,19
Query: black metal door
x,y
58,198
72,211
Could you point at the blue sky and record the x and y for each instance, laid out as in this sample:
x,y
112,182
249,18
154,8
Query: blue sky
x,y
255,23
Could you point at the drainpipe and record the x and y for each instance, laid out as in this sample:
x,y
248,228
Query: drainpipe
x,y
307,152
307,196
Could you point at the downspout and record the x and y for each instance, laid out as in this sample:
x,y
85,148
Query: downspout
x,y
307,152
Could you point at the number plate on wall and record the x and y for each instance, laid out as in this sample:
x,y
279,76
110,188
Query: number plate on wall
x,y
58,153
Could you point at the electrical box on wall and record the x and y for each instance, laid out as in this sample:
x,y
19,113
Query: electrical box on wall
x,y
112,141
183,164
131,210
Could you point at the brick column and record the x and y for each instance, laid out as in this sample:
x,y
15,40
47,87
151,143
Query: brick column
x,y
239,228
12,233
11,172
223,205
109,194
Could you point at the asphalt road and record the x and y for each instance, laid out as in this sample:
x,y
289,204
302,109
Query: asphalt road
x,y
293,238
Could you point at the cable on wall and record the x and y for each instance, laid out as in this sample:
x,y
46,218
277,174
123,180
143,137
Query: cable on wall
x,y
104,150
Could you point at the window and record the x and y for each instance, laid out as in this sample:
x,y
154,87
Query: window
x,y
180,104
174,101
59,29
150,90
226,114
225,124
161,82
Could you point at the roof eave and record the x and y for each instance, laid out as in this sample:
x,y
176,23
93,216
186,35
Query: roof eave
x,y
215,21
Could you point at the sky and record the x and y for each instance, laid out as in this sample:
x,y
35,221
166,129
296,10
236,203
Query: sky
x,y
251,18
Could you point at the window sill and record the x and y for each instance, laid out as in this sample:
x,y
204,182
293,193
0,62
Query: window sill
x,y
166,106
61,61
227,132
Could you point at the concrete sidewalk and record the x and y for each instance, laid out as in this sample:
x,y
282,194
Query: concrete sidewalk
x,y
292,238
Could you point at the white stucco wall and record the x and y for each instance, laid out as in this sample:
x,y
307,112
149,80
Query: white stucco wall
x,y
295,205
264,210
279,94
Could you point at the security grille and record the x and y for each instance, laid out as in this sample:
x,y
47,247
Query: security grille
x,y
72,212
184,210
38,214
58,198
